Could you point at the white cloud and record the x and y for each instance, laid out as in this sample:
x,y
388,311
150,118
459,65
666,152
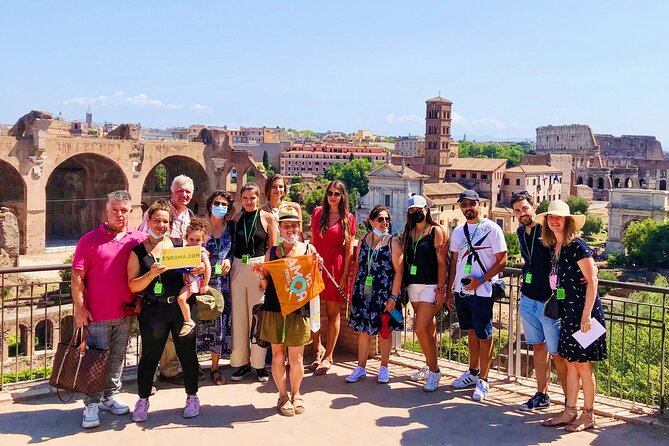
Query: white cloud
x,y
120,98
456,117
402,119
492,123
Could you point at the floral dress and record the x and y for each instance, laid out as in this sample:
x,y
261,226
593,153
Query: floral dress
x,y
216,335
366,311
570,276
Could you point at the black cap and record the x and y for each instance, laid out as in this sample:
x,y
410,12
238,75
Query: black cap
x,y
469,195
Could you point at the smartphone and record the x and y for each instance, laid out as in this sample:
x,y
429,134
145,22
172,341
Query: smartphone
x,y
466,281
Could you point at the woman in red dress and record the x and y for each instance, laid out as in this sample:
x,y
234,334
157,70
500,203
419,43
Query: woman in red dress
x,y
333,231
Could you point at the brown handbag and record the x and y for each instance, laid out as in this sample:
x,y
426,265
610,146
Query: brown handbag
x,y
256,326
78,368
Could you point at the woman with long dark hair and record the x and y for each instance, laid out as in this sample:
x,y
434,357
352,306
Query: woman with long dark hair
x,y
333,230
424,243
377,268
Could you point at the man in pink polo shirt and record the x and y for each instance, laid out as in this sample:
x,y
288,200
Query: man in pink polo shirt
x,y
102,299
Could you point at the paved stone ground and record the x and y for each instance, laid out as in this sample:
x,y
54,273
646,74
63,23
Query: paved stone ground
x,y
337,414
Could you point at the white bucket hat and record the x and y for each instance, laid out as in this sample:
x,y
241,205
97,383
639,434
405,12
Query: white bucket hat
x,y
561,209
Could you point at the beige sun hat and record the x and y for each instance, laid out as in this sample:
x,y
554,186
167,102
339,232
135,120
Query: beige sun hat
x,y
560,208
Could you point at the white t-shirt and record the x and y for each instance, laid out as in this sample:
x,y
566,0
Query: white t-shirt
x,y
488,239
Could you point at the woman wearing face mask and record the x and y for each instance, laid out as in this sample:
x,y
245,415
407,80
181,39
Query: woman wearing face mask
x,y
424,243
255,232
378,271
160,313
215,336
333,230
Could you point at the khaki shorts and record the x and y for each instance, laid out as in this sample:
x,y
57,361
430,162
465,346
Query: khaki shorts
x,y
297,329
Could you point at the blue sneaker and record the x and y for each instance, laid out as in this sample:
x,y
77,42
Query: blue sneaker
x,y
538,401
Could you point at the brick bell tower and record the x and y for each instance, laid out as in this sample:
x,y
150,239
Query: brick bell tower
x,y
437,138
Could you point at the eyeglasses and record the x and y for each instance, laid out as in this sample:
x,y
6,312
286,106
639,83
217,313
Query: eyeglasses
x,y
468,204
383,219
335,193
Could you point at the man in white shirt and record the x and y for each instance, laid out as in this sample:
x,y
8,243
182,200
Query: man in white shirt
x,y
478,254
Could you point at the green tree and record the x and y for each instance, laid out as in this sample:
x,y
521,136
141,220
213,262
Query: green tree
x,y
265,159
605,274
160,175
593,224
512,152
512,245
543,207
577,205
635,237
646,243
313,199
353,174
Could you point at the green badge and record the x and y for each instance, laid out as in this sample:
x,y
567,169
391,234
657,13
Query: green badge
x,y
468,268
218,269
158,288
368,280
560,293
413,270
528,278
245,259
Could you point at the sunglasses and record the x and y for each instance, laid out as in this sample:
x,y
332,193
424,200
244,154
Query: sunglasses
x,y
522,193
219,203
383,219
468,204
335,193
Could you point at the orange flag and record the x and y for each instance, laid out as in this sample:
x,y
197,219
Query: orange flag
x,y
297,280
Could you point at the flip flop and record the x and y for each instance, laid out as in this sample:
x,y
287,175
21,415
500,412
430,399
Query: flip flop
x,y
285,407
217,377
323,367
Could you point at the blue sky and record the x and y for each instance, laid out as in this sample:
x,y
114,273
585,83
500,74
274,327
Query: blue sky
x,y
508,66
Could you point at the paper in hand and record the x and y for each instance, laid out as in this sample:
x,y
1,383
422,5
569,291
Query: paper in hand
x,y
596,331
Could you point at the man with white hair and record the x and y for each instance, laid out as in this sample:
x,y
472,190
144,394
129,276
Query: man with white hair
x,y
182,193
102,299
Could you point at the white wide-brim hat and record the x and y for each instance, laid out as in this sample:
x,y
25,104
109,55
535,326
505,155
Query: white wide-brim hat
x,y
561,209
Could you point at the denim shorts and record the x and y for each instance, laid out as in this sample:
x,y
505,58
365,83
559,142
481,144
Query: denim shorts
x,y
475,313
537,327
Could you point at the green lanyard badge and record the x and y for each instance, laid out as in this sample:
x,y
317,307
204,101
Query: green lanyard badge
x,y
468,268
218,269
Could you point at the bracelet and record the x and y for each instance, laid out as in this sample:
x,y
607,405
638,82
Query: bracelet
x,y
393,297
441,289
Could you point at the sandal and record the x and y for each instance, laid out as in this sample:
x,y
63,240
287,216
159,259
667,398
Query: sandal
x,y
186,328
298,404
285,407
323,367
567,416
217,377
317,359
584,422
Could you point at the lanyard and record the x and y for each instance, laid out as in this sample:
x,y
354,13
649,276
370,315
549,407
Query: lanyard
x,y
555,263
415,244
372,254
248,237
530,250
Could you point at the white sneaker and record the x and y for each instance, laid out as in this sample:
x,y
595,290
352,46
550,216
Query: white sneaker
x,y
114,405
465,380
356,375
420,375
91,417
481,391
383,375
431,381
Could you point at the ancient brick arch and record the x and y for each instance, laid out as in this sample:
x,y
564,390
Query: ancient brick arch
x,y
44,334
76,193
173,166
13,197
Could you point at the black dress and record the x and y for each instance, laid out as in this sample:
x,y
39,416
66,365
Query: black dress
x,y
572,306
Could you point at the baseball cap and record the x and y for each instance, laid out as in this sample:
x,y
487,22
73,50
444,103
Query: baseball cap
x,y
469,195
417,201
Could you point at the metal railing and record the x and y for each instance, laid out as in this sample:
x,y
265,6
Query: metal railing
x,y
36,314
637,341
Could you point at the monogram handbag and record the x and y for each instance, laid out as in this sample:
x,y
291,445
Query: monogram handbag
x,y
77,368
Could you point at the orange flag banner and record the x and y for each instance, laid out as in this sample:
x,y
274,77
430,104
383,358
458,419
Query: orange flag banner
x,y
297,280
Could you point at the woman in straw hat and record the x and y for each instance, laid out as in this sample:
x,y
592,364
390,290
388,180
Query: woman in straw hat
x,y
571,262
288,335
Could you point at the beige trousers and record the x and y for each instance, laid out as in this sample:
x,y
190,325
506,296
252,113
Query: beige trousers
x,y
245,293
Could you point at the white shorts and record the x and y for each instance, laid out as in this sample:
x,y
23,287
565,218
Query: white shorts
x,y
419,292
